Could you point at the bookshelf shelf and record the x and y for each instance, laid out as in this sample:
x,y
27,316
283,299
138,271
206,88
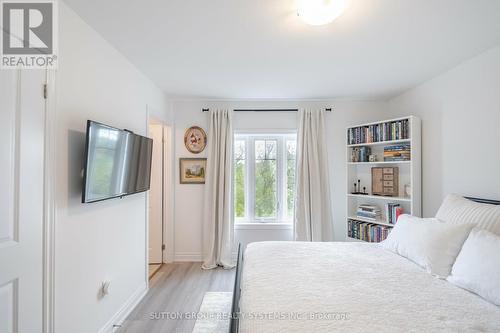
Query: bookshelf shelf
x,y
380,143
379,222
379,163
404,132
379,197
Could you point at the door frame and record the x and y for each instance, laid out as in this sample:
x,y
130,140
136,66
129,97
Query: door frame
x,y
49,214
168,188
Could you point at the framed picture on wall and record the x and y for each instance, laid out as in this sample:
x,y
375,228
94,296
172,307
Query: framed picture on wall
x,y
195,139
192,170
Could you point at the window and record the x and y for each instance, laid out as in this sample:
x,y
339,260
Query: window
x,y
264,177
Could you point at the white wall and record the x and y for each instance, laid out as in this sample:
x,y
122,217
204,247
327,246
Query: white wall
x,y
460,113
106,240
189,198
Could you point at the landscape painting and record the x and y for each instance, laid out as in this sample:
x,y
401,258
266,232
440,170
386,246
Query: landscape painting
x,y
192,170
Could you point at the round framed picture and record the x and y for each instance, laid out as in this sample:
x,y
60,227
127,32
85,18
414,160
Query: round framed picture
x,y
195,139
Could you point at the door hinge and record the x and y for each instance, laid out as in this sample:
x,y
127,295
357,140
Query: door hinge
x,y
163,247
45,91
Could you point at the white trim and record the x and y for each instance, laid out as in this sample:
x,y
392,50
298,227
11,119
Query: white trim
x,y
49,214
263,226
265,132
146,224
168,205
119,317
188,257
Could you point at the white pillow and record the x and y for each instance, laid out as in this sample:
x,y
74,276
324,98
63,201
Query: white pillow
x,y
477,268
431,244
456,209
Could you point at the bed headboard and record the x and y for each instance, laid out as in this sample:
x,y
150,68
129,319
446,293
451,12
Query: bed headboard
x,y
485,201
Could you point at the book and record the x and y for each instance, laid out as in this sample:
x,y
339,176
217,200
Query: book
x,y
392,212
369,212
397,153
360,154
368,232
389,131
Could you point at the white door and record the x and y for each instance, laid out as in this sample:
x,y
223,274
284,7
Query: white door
x,y
22,110
156,196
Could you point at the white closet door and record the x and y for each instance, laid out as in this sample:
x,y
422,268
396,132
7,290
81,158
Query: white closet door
x,y
22,114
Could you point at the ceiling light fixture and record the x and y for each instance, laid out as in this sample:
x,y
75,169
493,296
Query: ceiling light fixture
x,y
320,12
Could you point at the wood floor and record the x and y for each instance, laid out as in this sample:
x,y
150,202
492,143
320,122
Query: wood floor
x,y
153,268
175,289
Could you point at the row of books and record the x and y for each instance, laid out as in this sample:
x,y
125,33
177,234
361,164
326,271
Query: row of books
x,y
395,130
369,212
360,154
368,232
392,212
397,153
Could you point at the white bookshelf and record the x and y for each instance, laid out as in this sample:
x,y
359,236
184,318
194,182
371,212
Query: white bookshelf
x,y
409,174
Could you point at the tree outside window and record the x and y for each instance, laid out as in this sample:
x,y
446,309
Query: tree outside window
x,y
264,177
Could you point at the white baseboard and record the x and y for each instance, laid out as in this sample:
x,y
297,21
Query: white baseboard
x,y
168,258
196,257
188,257
125,310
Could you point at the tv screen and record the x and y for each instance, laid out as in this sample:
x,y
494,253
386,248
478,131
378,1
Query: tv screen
x,y
117,163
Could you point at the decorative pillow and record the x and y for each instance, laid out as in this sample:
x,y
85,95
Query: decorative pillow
x,y
477,268
456,209
431,244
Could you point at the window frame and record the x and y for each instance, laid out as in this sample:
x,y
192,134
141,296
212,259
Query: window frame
x,y
281,138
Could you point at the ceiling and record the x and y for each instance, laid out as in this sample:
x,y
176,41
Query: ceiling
x,y
246,49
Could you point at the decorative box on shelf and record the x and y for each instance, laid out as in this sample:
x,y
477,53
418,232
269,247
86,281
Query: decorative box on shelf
x,y
385,181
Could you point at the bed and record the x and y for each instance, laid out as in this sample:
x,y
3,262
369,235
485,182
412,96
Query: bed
x,y
349,287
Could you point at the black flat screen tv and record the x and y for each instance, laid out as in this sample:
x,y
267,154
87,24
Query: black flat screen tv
x,y
117,163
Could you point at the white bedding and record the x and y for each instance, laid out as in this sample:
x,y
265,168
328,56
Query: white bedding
x,y
359,286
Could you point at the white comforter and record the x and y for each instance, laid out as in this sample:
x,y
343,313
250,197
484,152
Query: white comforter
x,y
351,287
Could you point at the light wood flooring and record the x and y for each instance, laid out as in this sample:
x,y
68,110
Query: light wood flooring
x,y
153,268
175,288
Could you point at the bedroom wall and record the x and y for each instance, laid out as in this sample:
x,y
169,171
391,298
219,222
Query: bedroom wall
x,y
105,240
189,198
460,113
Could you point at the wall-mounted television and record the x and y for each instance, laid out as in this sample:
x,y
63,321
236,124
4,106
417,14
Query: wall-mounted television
x,y
117,163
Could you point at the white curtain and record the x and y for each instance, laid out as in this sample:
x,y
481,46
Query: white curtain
x,y
218,231
313,215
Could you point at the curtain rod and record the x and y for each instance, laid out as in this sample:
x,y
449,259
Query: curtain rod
x,y
266,110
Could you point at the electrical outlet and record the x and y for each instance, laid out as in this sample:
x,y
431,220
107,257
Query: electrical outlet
x,y
105,288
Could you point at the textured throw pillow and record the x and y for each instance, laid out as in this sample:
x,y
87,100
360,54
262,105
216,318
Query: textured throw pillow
x,y
431,244
456,209
477,268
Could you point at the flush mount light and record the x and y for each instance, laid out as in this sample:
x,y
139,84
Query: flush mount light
x,y
320,12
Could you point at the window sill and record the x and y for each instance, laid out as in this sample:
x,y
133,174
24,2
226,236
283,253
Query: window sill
x,y
257,225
